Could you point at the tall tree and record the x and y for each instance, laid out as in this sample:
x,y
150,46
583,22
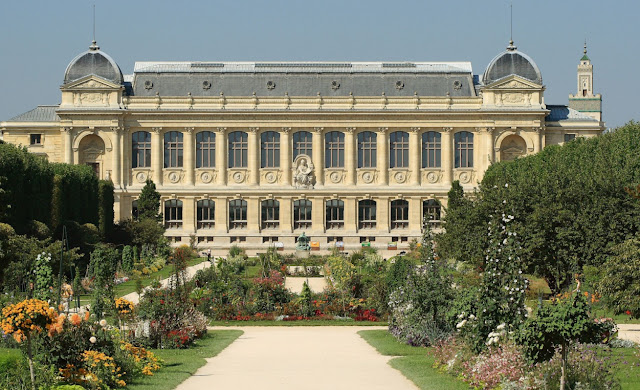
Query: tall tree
x,y
149,202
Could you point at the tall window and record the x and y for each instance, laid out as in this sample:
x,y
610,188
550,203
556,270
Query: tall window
x,y
270,213
302,214
134,210
270,149
237,214
302,144
431,210
205,149
173,213
334,150
431,149
464,149
399,149
238,149
141,149
367,149
399,214
335,214
206,214
173,153
366,214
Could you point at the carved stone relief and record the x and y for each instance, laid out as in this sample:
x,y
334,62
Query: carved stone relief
x,y
431,177
304,173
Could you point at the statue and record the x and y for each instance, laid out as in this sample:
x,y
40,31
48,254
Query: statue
x,y
302,243
304,173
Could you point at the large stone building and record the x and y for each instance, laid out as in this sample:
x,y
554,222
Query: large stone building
x,y
255,152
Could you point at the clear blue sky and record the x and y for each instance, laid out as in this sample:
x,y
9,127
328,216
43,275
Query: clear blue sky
x,y
39,38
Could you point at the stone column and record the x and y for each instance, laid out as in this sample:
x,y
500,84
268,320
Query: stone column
x,y
116,156
189,214
350,156
156,155
382,214
447,156
285,155
221,157
318,212
486,151
286,220
382,144
68,144
253,161
222,214
537,143
253,214
189,156
350,215
126,157
415,214
415,162
318,157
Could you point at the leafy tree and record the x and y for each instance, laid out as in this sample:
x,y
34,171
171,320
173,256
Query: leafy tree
x,y
620,279
146,232
102,267
149,202
127,259
43,277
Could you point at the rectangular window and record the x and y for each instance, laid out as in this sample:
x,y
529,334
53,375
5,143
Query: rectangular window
x,y
366,214
431,149
334,150
141,149
399,214
463,149
205,149
367,150
206,214
35,139
302,144
569,137
270,150
173,152
399,153
335,214
237,214
302,214
173,214
270,214
238,149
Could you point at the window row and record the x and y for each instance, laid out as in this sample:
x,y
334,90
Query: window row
x,y
302,213
334,149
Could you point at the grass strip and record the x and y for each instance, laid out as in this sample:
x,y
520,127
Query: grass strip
x,y
297,323
147,280
180,364
415,363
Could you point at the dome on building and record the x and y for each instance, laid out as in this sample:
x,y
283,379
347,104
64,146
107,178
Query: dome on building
x,y
93,62
512,62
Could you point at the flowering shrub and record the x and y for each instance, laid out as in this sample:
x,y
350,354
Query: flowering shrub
x,y
28,317
145,360
124,308
496,365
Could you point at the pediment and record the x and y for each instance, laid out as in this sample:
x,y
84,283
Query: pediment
x,y
513,82
91,82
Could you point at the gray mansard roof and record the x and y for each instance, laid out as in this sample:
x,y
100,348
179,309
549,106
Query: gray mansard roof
x,y
38,114
303,78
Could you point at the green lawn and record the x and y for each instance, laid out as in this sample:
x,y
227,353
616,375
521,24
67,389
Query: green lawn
x,y
179,364
8,357
130,286
413,362
629,373
297,323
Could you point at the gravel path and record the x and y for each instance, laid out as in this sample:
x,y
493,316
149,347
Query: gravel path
x,y
629,332
314,357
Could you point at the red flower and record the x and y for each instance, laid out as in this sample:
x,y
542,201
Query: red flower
x,y
628,312
162,301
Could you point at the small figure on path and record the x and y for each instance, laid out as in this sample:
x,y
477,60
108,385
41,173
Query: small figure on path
x,y
209,255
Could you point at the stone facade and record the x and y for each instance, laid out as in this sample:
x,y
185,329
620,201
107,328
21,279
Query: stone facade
x,y
256,168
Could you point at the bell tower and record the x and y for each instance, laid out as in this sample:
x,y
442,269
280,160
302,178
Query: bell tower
x,y
584,100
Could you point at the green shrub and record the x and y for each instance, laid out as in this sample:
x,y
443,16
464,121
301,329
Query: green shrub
x,y
105,207
38,230
127,259
6,230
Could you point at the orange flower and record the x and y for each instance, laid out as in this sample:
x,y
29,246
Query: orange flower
x,y
75,319
86,315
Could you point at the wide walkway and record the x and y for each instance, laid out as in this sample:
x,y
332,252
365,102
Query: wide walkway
x,y
310,358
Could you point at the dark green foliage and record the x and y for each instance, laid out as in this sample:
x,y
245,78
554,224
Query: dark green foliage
x,y
38,230
145,232
102,267
105,207
127,259
75,195
149,202
620,279
570,203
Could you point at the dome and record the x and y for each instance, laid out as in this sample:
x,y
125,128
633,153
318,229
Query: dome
x,y
512,62
93,62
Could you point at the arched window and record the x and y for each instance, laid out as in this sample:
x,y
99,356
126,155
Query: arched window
x,y
173,153
302,214
399,214
206,214
463,141
141,149
335,214
367,149
431,211
334,150
173,213
431,149
270,149
237,214
205,149
134,210
238,149
302,144
366,214
270,213
399,149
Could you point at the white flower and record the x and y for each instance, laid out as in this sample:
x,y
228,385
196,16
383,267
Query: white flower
x,y
472,317
506,185
103,323
93,340
461,324
501,326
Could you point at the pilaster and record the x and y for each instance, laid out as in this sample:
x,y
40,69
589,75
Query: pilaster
x,y
447,156
318,156
415,162
383,156
116,159
350,156
286,220
189,214
68,144
189,156
285,157
222,213
156,155
253,214
318,213
415,214
382,214
221,157
253,160
350,215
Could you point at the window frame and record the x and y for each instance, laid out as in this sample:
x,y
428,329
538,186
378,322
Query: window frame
x,y
141,148
463,149
432,211
270,149
399,149
173,149
334,145
238,149
237,214
334,214
367,149
399,214
367,214
302,214
302,145
205,208
205,149
173,213
270,214
431,149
